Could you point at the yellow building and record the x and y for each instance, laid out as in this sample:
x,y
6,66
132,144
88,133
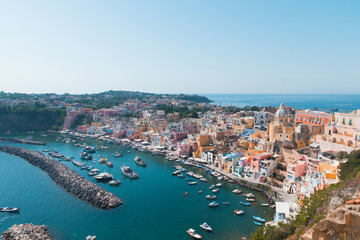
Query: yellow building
x,y
329,170
96,124
282,127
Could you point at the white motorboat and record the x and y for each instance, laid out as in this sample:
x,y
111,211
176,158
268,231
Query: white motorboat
x,y
212,186
215,190
139,161
104,176
210,197
218,184
236,191
265,204
194,235
115,182
213,204
9,209
206,227
238,212
128,172
250,199
191,183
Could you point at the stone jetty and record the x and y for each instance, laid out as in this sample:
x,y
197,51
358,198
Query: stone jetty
x,y
27,232
66,178
22,141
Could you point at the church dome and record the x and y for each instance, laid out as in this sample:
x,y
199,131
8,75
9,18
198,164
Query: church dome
x,y
281,112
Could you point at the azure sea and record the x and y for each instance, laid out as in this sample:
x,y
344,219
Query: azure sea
x,y
154,207
299,101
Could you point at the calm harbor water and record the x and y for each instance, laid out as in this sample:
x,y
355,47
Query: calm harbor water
x,y
298,101
153,208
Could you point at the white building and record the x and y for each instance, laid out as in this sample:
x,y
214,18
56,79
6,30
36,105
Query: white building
x,y
284,211
260,119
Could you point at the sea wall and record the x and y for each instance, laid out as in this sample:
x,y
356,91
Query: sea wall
x,y
27,232
22,141
66,178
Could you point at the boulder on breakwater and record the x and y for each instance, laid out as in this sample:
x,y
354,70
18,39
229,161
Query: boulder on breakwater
x,y
27,232
22,141
66,178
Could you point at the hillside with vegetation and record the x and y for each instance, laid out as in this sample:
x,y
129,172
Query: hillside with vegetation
x,y
31,118
320,208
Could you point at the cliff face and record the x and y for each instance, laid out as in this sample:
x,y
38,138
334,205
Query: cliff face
x,y
343,219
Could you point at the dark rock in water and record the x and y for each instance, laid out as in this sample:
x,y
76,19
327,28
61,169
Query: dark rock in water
x,y
22,141
27,232
66,178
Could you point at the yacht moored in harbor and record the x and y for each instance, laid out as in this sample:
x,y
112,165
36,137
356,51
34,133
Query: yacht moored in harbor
x,y
104,176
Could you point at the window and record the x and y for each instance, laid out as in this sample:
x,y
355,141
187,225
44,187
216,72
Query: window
x,y
350,122
343,120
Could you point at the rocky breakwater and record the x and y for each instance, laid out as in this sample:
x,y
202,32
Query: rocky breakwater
x,y
66,178
27,232
22,141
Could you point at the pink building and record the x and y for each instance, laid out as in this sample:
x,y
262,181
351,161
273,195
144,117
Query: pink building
x,y
191,128
178,136
184,149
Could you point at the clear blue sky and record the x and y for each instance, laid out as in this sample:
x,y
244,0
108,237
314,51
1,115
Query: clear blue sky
x,y
187,46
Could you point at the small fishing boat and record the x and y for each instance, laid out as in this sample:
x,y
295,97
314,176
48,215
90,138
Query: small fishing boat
x,y
115,182
218,184
249,195
110,164
192,183
215,190
210,197
272,206
140,162
250,199
238,212
116,154
199,192
225,203
176,172
236,191
194,235
212,186
203,179
90,237
180,175
244,203
185,194
206,227
265,204
213,204
258,223
259,219
9,209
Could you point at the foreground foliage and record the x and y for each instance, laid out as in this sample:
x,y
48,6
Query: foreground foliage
x,y
311,211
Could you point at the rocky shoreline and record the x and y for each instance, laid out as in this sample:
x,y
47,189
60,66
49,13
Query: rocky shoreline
x,y
22,141
66,178
27,232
